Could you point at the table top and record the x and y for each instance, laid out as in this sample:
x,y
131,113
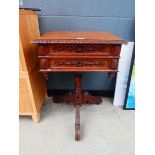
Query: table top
x,y
79,37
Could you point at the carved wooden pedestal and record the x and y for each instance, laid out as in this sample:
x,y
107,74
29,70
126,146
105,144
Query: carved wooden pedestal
x,y
86,97
77,98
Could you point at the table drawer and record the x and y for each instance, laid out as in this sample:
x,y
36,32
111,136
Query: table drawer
x,y
75,49
75,63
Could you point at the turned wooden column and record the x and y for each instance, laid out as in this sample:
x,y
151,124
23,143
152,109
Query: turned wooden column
x,y
77,104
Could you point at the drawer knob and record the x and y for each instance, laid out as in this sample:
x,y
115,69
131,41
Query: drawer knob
x,y
78,64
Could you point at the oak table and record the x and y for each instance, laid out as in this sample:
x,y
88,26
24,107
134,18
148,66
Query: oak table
x,y
79,52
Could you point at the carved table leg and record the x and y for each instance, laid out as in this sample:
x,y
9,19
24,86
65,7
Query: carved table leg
x,y
77,122
78,97
77,104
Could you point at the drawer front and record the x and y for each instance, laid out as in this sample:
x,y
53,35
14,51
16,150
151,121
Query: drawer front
x,y
75,49
75,63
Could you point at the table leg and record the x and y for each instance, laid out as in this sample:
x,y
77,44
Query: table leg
x,y
77,98
77,122
77,104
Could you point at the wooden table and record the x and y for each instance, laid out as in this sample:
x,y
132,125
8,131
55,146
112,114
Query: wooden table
x,y
79,52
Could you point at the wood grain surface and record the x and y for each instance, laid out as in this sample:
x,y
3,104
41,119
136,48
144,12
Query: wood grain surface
x,y
32,85
79,37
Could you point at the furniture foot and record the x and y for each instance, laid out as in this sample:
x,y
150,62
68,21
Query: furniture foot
x,y
88,98
67,98
36,117
77,122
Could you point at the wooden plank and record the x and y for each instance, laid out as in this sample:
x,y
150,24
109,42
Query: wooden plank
x,y
25,114
38,89
29,30
32,94
32,89
22,64
25,105
26,12
23,75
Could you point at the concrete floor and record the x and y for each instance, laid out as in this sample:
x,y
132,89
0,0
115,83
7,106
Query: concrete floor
x,y
105,130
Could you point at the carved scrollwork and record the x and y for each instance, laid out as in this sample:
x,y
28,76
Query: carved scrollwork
x,y
114,63
62,48
45,75
44,63
78,49
42,50
116,49
80,63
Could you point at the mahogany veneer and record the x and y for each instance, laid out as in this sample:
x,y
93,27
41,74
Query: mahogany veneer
x,y
79,52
